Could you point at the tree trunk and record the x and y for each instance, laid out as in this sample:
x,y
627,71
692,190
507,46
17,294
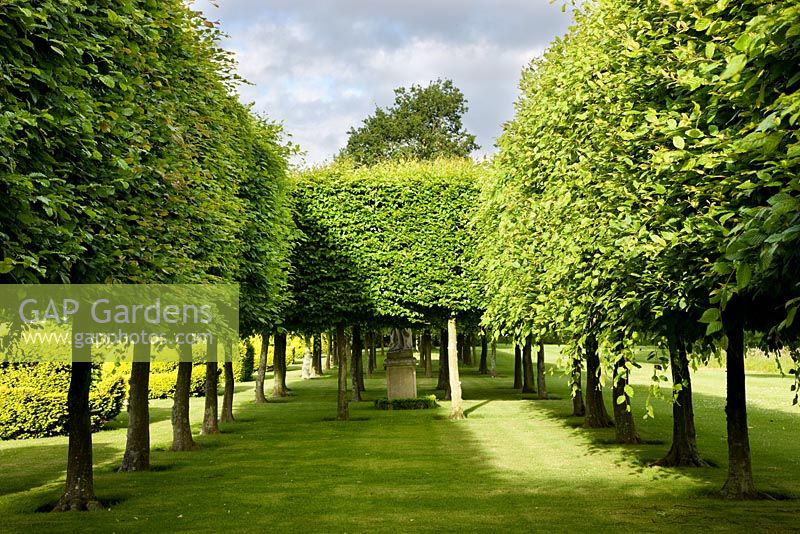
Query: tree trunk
x,y
227,398
342,408
383,351
262,368
493,360
517,366
427,342
373,354
181,429
473,349
279,365
137,445
684,451
330,352
79,492
211,412
316,355
541,385
596,414
578,408
444,377
740,483
483,368
456,404
421,350
354,364
527,366
623,413
368,346
360,371
335,353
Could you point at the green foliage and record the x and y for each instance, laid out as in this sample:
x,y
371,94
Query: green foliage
x,y
389,243
268,230
126,156
420,403
108,144
650,176
423,123
163,378
34,400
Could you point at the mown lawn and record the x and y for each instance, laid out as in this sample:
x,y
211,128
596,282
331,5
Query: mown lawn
x,y
515,464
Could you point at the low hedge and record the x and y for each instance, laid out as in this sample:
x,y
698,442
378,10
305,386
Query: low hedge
x,y
33,400
244,364
420,403
164,376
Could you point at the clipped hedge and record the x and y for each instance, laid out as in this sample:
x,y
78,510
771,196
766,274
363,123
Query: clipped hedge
x,y
244,365
164,376
389,241
33,401
420,403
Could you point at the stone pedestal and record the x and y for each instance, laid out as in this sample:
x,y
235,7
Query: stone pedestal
x,y
401,374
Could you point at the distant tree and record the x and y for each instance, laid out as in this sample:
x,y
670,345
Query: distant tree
x,y
423,123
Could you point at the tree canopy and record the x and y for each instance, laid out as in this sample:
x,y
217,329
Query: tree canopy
x,y
648,181
390,243
423,123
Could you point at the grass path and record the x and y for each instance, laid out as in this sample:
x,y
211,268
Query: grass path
x,y
515,464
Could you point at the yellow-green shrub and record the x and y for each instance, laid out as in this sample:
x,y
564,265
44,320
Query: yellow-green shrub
x,y
33,400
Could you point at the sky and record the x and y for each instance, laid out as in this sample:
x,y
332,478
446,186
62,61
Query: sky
x,y
322,66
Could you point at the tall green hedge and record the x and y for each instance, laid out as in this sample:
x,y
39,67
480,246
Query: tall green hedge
x,y
388,243
649,176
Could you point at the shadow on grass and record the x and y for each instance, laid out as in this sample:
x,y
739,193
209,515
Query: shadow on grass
x,y
285,465
40,465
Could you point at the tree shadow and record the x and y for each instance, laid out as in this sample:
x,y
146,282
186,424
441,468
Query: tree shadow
x,y
42,464
500,470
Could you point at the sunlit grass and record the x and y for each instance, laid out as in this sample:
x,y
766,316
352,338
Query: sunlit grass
x,y
514,465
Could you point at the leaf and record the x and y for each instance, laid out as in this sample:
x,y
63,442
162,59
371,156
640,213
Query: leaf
x,y
678,142
6,266
694,133
735,65
768,123
621,399
629,390
702,24
713,328
108,81
711,315
742,42
744,272
789,318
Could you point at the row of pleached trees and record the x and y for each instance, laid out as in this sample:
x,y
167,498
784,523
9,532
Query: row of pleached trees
x,y
644,194
126,157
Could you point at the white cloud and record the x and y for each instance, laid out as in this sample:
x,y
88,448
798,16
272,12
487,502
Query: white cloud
x,y
322,66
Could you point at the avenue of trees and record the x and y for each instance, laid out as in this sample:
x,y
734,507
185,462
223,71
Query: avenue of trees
x,y
385,246
125,157
645,194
